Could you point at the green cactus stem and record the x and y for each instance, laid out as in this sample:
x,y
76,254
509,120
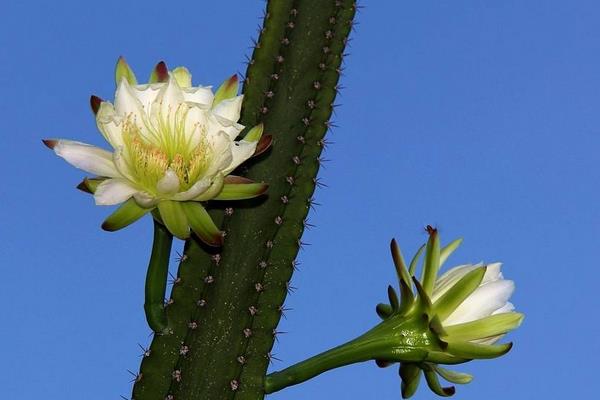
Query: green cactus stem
x,y
227,302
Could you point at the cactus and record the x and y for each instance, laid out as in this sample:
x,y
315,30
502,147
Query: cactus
x,y
226,303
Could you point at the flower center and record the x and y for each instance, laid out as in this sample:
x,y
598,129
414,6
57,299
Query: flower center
x,y
162,142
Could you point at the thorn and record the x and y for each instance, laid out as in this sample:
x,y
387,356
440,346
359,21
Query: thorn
x,y
201,303
330,124
263,110
307,224
278,220
247,332
282,310
170,397
216,258
285,41
241,360
284,199
328,34
174,280
229,211
326,49
301,139
209,279
295,264
332,20
263,264
275,77
259,287
294,12
235,385
272,357
291,24
269,244
306,121
317,85
269,94
136,377
311,104
145,351
253,310
322,160
181,257
192,325
290,289
290,180
319,182
296,160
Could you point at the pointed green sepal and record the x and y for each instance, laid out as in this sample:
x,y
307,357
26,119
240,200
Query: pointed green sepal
x,y
393,298
432,260
160,73
412,269
182,76
399,263
89,185
384,310
227,90
423,303
202,224
410,375
434,383
449,249
239,188
122,70
491,326
173,217
453,297
125,215
439,357
407,299
452,376
476,350
255,133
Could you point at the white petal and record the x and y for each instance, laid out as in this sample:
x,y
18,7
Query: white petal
x,y
195,125
197,189
169,98
492,273
145,200
449,278
217,124
146,94
229,109
109,123
508,307
482,302
113,191
202,95
240,152
127,103
121,164
169,183
86,157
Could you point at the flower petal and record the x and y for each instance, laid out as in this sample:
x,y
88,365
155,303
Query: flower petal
x,y
113,191
449,278
482,302
240,152
109,124
169,183
86,157
229,109
127,103
201,95
197,189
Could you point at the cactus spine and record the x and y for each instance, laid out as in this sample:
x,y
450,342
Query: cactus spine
x,y
225,304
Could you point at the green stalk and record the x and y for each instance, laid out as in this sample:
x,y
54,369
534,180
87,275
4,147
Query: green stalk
x,y
227,302
156,279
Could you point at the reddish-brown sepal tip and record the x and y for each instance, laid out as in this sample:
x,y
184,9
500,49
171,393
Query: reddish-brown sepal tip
x,y
233,80
431,230
216,240
83,186
50,143
263,145
108,227
162,72
95,102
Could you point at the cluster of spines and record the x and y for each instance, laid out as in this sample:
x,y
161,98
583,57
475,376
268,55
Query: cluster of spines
x,y
272,276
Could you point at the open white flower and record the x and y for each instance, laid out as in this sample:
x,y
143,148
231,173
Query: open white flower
x,y
173,146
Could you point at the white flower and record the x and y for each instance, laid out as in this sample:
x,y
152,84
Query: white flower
x,y
171,142
489,298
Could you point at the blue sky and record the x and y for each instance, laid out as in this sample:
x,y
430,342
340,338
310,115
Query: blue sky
x,y
478,117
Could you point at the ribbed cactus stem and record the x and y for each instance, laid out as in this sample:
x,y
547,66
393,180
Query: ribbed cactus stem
x,y
227,304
